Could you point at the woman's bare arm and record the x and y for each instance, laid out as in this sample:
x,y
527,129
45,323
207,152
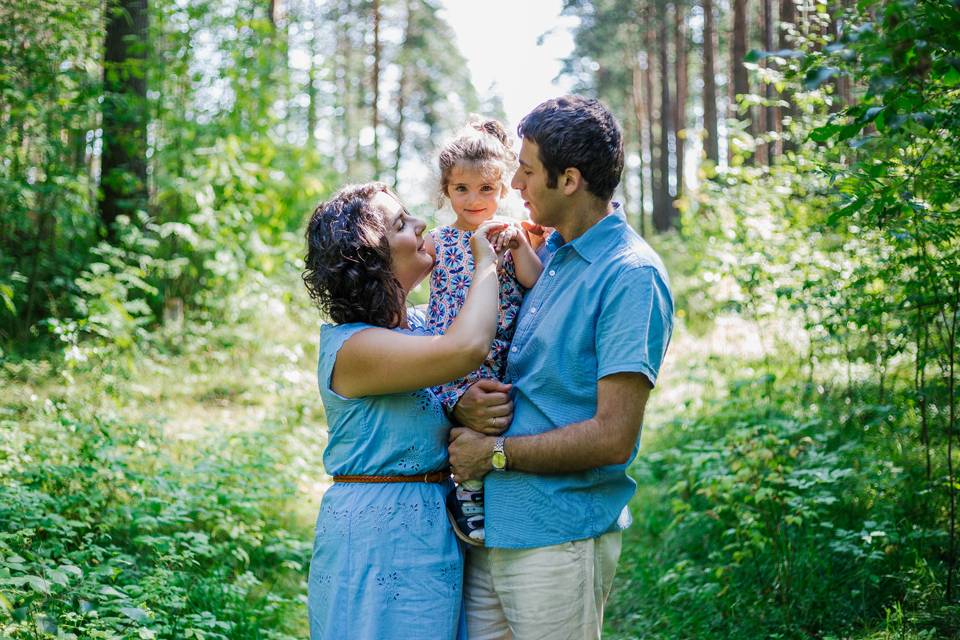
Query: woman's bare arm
x,y
378,361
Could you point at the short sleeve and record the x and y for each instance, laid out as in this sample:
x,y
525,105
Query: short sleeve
x,y
635,324
418,319
332,337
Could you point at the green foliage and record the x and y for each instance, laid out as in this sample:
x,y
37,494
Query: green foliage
x,y
116,524
104,537
755,523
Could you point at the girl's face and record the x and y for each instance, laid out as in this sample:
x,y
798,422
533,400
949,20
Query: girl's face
x,y
475,199
409,258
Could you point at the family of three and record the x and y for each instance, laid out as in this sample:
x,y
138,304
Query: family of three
x,y
524,382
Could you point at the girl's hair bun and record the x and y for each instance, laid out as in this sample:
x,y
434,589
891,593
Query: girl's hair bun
x,y
495,128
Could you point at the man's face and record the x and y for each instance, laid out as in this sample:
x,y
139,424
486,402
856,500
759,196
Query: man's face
x,y
545,204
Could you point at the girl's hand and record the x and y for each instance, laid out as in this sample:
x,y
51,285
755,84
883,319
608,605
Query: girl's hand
x,y
480,244
508,237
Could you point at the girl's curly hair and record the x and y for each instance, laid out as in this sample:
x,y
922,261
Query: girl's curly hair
x,y
347,271
482,145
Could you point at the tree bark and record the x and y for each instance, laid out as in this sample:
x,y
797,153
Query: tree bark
x,y
787,18
710,120
375,79
663,214
123,174
641,113
738,51
680,104
770,120
311,79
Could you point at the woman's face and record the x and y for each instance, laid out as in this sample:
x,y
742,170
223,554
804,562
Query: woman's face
x,y
409,257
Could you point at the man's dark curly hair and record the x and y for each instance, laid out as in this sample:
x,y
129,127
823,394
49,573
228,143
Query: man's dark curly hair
x,y
574,131
347,271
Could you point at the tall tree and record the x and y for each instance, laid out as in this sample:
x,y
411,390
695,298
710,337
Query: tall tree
x,y
738,51
788,113
770,124
124,161
680,104
641,109
710,124
663,205
375,82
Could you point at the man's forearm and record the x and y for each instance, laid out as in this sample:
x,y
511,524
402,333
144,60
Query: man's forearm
x,y
608,438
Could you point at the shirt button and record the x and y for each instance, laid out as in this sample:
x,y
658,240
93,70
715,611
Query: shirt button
x,y
552,272
533,310
513,349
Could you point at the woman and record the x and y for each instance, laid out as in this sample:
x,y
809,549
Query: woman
x,y
386,563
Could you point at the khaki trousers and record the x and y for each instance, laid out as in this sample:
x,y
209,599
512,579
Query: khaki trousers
x,y
548,593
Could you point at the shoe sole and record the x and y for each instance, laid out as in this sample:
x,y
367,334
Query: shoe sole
x,y
462,536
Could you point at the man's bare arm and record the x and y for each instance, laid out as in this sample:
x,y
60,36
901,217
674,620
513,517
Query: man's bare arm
x,y
605,439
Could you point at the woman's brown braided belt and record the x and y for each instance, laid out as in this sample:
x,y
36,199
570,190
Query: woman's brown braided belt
x,y
430,478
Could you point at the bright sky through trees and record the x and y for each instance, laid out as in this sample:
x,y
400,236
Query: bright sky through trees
x,y
499,40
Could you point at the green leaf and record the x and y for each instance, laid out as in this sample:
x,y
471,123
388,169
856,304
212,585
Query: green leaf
x,y
47,624
865,140
110,591
57,577
37,584
925,120
817,76
135,614
824,133
69,568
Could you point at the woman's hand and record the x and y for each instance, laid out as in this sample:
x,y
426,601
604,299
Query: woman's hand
x,y
480,243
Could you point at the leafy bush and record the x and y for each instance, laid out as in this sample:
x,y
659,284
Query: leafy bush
x,y
104,535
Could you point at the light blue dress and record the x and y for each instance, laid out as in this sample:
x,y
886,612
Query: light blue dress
x,y
386,563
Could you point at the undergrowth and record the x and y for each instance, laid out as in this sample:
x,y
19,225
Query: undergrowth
x,y
164,488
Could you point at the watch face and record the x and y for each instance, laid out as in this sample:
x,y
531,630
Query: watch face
x,y
498,460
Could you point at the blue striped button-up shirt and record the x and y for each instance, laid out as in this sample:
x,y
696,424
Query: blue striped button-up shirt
x,y
602,306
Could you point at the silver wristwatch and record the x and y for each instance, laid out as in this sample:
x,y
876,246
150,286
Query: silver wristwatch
x,y
498,459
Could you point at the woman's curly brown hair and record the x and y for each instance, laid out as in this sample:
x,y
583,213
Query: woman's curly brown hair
x,y
347,271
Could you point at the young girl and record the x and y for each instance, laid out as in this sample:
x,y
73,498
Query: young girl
x,y
475,169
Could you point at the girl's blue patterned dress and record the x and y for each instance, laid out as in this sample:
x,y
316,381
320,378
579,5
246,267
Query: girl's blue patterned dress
x,y
449,282
386,563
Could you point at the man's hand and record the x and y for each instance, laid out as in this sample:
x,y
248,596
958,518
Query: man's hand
x,y
469,454
536,235
485,407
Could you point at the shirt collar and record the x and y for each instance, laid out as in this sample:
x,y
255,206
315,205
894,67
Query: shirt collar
x,y
596,238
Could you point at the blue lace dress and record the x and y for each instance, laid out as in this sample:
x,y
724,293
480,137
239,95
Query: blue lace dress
x,y
386,563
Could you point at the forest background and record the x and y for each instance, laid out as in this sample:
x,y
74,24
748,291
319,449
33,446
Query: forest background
x,y
795,162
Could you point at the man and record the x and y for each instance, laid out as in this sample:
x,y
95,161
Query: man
x,y
590,339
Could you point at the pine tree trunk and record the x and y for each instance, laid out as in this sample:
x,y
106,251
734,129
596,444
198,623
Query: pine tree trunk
x,y
663,214
311,89
123,175
787,17
375,80
770,120
738,51
710,120
680,104
641,113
